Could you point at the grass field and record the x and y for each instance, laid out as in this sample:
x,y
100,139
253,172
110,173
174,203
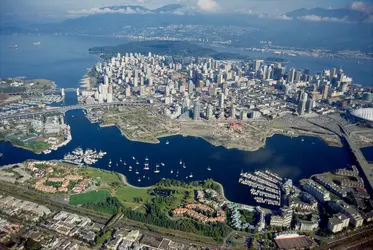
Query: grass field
x,y
127,194
101,176
94,196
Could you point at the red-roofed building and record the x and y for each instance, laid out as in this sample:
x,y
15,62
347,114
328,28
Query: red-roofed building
x,y
293,241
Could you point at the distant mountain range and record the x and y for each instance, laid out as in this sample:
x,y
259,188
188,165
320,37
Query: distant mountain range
x,y
320,14
177,9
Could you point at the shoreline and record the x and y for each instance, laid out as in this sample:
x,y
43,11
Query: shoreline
x,y
22,147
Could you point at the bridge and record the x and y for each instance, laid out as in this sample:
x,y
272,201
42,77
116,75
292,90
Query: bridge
x,y
75,107
364,165
42,91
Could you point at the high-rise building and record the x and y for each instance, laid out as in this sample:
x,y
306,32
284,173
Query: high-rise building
x,y
302,104
257,64
291,75
233,112
190,87
221,100
325,92
196,110
333,72
209,112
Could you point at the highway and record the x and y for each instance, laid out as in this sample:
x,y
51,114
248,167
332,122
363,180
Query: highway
x,y
74,107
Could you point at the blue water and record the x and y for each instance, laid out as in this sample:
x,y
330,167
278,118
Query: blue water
x,y
65,59
368,153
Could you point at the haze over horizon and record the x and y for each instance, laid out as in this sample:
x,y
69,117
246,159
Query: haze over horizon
x,y
39,10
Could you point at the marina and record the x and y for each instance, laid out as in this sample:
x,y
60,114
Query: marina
x,y
264,186
79,157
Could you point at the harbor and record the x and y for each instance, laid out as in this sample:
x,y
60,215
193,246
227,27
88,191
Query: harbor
x,y
81,157
265,186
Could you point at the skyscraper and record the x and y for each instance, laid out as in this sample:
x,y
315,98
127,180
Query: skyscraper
x,y
209,112
291,75
221,101
257,64
196,110
325,92
302,104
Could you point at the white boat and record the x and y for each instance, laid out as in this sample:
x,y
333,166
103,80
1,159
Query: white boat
x,y
302,139
110,161
120,160
117,165
137,172
208,168
139,180
167,142
163,164
143,177
124,163
184,165
181,162
133,157
137,162
186,177
47,151
191,175
146,166
146,158
156,171
171,171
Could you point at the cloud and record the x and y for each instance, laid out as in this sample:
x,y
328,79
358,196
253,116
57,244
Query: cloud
x,y
314,18
208,5
362,7
93,11
278,17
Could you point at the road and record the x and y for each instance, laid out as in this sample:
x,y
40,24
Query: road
x,y
75,107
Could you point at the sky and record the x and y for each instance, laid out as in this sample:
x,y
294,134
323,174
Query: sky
x,y
61,9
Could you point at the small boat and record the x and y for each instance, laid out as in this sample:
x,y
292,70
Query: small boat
x,y
191,175
133,157
120,160
167,142
163,164
109,166
156,171
110,161
302,139
171,171
146,166
137,172
143,177
208,168
184,165
130,167
146,158
181,162
124,163
137,162
186,177
148,178
139,180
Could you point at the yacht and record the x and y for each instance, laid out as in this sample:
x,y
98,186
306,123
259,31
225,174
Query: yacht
x,y
139,180
130,168
143,177
181,162
184,165
137,162
120,159
110,162
117,164
167,142
133,157
163,164
172,171
302,139
208,168
156,171
137,172
146,166
124,163
146,158
191,175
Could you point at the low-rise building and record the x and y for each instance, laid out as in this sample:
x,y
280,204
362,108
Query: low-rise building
x,y
338,222
350,211
317,191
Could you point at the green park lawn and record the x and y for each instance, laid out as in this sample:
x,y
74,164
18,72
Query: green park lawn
x,y
91,197
128,194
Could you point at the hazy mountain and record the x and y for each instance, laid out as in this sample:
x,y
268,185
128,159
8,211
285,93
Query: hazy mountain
x,y
320,14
